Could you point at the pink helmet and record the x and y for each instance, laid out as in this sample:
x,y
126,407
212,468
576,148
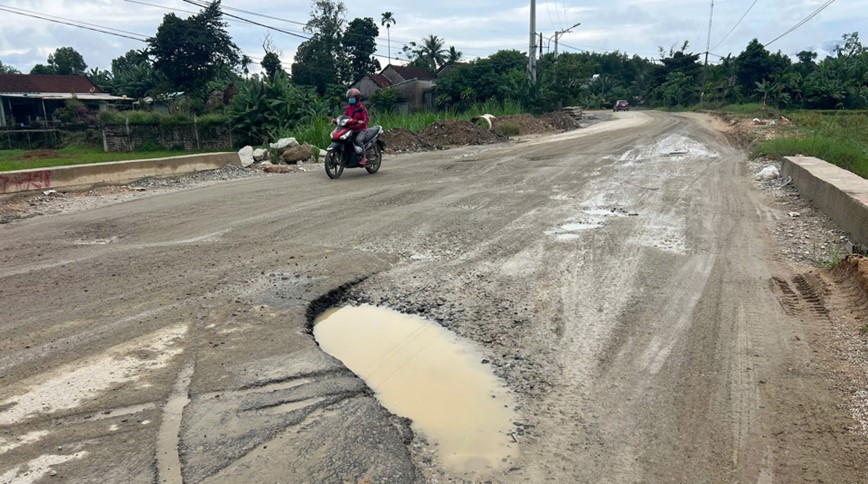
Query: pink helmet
x,y
354,93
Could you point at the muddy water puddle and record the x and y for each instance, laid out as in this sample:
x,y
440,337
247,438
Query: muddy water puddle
x,y
423,372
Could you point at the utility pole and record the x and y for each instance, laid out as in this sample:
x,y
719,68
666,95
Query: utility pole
x,y
562,32
531,52
707,48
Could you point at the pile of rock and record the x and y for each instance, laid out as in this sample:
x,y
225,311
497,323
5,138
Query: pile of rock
x,y
286,151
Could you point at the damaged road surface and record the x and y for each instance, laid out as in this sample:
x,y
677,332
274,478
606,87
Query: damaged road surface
x,y
619,279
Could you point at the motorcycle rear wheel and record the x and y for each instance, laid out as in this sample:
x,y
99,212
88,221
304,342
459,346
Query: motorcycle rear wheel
x,y
375,158
334,165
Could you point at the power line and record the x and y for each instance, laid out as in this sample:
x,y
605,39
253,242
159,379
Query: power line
x,y
161,6
551,20
295,22
558,14
736,25
803,22
71,23
85,26
253,22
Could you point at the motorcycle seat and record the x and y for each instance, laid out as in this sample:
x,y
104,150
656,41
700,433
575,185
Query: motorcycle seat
x,y
371,133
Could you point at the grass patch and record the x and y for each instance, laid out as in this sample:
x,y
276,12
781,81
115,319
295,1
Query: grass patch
x,y
839,137
13,159
416,122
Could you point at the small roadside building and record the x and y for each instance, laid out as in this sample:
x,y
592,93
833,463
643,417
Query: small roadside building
x,y
414,85
28,100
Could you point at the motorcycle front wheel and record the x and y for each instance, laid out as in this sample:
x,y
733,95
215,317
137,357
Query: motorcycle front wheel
x,y
334,165
375,158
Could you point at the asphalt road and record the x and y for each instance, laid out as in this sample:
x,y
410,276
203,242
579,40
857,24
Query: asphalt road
x,y
619,278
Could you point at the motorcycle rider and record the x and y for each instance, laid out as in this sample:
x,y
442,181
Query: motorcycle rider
x,y
359,114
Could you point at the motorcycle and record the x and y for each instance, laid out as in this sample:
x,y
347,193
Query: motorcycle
x,y
342,153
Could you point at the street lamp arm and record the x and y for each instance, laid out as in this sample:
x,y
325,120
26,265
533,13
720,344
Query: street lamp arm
x,y
567,29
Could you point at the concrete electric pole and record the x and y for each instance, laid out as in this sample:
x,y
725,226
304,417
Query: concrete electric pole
x,y
562,32
707,48
531,53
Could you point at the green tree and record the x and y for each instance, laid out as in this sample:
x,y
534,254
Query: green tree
x,y
430,53
264,110
192,52
7,69
678,90
134,75
453,55
500,76
271,61
102,79
41,69
66,61
388,20
321,61
755,64
360,42
851,47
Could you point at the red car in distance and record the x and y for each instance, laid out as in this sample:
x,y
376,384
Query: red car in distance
x,y
621,105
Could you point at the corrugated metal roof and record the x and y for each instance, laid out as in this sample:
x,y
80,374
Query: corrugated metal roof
x,y
39,83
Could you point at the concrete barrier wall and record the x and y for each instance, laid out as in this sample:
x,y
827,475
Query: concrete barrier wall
x,y
842,195
84,176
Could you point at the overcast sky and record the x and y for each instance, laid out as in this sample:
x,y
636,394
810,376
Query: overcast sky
x,y
476,28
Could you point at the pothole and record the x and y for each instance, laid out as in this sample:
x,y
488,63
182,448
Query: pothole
x,y
423,372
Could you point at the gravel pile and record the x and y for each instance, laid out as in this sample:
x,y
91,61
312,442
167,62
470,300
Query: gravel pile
x,y
806,235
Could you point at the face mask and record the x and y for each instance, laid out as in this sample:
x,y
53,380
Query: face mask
x,y
352,100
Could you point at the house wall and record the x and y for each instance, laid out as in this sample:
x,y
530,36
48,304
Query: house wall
x,y
2,113
367,86
414,92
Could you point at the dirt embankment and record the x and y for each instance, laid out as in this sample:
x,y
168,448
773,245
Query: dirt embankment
x,y
443,134
745,131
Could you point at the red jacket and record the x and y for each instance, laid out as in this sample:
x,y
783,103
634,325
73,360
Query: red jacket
x,y
360,114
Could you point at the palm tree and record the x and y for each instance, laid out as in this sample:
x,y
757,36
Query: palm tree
x,y
453,55
388,20
433,51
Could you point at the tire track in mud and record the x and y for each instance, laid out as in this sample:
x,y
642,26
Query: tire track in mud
x,y
168,457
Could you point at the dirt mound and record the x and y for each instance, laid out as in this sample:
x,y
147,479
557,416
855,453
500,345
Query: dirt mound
x,y
40,155
459,133
454,133
547,123
855,268
562,121
525,123
400,140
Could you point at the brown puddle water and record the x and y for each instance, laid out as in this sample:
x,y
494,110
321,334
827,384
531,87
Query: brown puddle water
x,y
423,372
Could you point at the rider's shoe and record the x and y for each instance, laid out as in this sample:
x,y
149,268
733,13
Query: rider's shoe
x,y
362,162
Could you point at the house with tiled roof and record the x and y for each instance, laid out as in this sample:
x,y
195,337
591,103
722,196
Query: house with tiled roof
x,y
28,99
414,86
